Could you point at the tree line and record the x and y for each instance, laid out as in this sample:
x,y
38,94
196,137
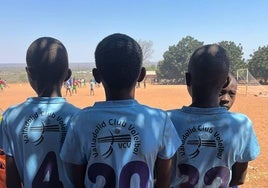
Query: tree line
x,y
176,58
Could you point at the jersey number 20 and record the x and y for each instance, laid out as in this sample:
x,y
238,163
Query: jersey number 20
x,y
134,167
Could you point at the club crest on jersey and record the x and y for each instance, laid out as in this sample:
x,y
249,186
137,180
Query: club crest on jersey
x,y
200,136
37,125
114,134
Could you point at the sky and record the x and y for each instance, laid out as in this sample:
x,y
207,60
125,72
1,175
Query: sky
x,y
81,24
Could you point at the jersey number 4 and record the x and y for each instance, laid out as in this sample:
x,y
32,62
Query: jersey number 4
x,y
48,175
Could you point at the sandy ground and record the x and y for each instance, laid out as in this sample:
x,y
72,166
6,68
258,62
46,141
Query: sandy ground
x,y
169,97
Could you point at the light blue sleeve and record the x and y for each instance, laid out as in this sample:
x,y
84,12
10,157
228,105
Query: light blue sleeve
x,y
170,140
251,148
72,149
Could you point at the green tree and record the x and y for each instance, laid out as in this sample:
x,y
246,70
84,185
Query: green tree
x,y
176,59
235,54
258,63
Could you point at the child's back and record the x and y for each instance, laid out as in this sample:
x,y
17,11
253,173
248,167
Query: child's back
x,y
213,139
117,142
119,139
34,130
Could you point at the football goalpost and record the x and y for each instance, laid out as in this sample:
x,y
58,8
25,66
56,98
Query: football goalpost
x,y
248,84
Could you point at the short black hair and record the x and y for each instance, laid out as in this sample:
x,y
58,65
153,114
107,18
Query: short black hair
x,y
209,66
119,59
48,57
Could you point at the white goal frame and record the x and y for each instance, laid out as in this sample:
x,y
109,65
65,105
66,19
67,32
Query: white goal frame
x,y
251,84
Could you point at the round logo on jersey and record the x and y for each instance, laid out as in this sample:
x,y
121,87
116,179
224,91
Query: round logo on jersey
x,y
199,137
38,125
114,134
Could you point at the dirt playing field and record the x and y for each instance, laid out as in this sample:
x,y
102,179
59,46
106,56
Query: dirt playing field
x,y
169,97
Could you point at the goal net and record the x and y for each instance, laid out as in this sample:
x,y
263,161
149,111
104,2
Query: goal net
x,y
248,84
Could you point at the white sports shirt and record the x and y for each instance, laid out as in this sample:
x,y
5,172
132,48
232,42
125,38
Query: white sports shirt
x,y
213,139
34,132
120,141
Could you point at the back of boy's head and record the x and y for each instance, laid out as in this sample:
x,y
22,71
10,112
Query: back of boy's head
x,y
119,59
48,59
209,67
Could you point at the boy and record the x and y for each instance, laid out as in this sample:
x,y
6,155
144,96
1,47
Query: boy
x,y
228,93
213,139
91,85
119,142
67,85
226,99
34,130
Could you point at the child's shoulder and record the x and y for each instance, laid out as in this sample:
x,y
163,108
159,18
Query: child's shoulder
x,y
239,117
151,109
237,114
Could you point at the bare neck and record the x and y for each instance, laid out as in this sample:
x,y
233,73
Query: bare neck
x,y
205,100
123,94
49,91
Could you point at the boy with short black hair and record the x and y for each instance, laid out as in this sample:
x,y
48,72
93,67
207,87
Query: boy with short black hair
x,y
228,94
34,130
213,139
119,142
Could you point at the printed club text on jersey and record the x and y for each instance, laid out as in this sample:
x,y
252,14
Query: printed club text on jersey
x,y
201,142
129,140
41,122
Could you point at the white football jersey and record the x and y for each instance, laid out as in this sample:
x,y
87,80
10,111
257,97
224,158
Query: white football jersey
x,y
120,141
213,139
33,134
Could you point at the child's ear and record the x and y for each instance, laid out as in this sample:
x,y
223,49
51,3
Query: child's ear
x,y
188,79
96,75
27,71
142,74
69,74
30,73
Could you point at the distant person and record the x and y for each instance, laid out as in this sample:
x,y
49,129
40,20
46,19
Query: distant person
x,y
34,131
83,82
144,84
68,86
228,94
92,85
74,88
216,144
119,142
2,84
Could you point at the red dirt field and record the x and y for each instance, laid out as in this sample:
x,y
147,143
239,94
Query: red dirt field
x,y
169,97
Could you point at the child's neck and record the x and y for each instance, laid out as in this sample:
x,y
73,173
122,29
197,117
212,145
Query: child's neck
x,y
204,105
208,101
49,92
123,94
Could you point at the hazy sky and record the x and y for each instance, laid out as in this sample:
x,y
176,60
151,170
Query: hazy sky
x,y
81,24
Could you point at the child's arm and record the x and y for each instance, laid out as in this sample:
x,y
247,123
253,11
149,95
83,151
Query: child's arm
x,y
162,173
12,175
78,175
239,172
